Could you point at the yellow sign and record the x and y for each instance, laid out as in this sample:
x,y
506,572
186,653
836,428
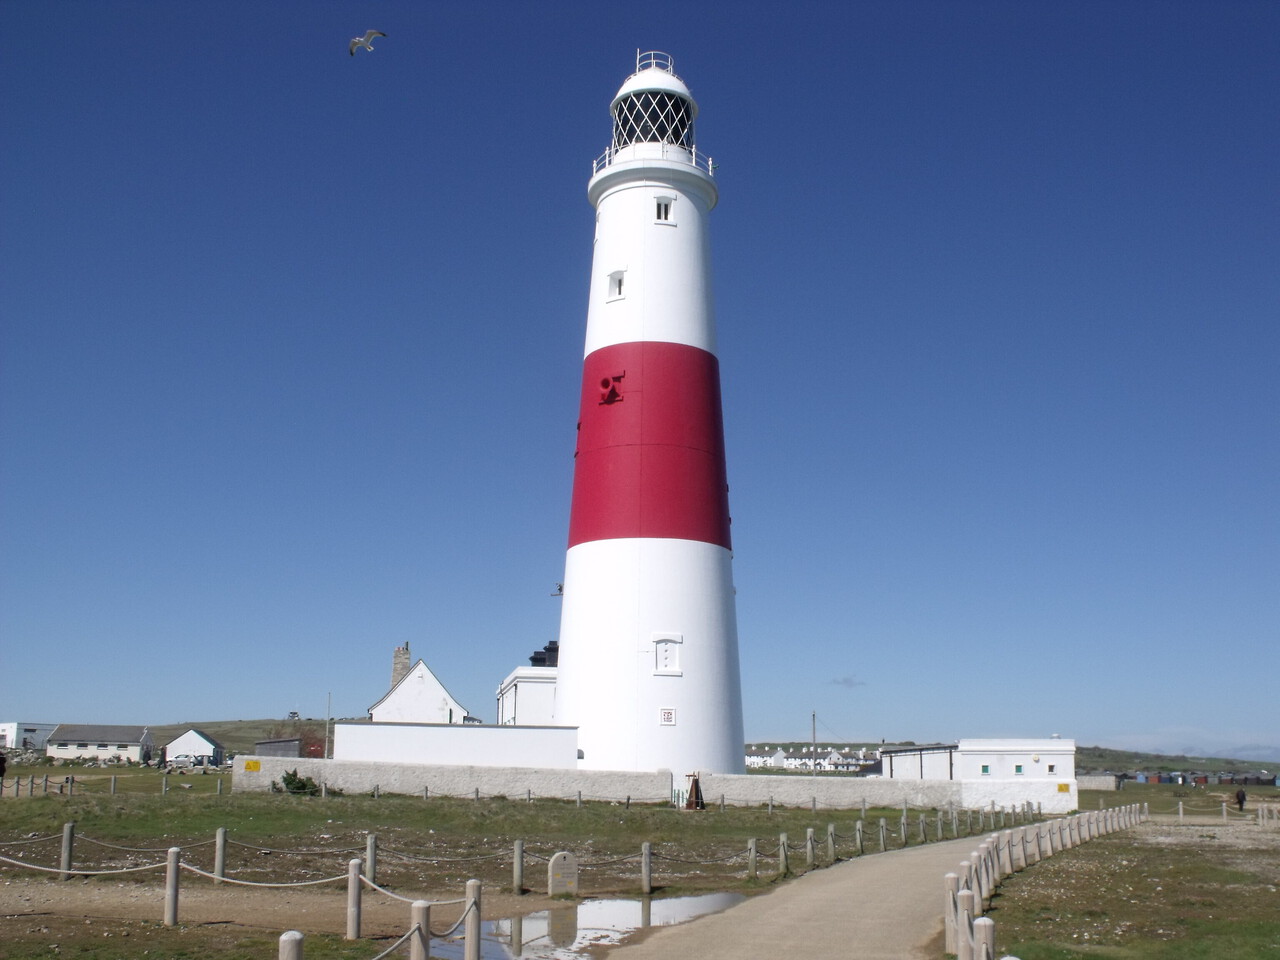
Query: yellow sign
x,y
251,765
1062,787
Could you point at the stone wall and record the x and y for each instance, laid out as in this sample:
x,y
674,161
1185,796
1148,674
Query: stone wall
x,y
251,773
255,774
1101,781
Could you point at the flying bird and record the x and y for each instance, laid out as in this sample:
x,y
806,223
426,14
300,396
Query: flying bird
x,y
366,41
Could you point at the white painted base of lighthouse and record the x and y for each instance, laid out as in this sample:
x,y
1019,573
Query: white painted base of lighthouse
x,y
649,656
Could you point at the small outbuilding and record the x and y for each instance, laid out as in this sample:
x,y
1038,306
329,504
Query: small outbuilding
x,y
198,745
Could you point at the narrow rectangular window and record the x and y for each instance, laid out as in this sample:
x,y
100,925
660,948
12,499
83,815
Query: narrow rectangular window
x,y
664,209
615,284
1017,769
1053,767
986,769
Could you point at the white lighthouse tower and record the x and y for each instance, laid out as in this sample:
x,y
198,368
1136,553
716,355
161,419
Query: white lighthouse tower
x,y
648,667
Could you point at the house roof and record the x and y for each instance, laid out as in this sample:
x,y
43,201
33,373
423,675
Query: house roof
x,y
99,733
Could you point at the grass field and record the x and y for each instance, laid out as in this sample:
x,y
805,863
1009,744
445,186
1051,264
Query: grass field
x,y
1140,894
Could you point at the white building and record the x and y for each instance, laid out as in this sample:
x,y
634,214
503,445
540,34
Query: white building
x,y
1031,759
418,697
995,760
198,745
20,735
80,741
527,697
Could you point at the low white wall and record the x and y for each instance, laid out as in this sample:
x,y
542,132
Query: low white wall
x,y
255,774
849,792
461,744
1099,781
833,792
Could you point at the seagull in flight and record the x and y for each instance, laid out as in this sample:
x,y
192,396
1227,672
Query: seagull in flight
x,y
366,41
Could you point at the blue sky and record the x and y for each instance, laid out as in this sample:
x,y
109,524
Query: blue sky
x,y
291,344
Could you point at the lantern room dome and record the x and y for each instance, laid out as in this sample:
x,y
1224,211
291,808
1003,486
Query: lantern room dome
x,y
653,105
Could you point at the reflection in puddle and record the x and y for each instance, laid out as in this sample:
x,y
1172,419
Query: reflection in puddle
x,y
565,932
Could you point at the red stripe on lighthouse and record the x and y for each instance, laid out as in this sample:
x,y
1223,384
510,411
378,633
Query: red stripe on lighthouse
x,y
650,457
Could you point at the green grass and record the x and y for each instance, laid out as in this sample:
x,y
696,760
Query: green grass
x,y
1169,891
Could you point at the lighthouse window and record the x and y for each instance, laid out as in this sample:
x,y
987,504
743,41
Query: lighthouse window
x,y
615,284
664,210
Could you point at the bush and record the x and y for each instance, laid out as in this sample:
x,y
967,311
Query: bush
x,y
295,784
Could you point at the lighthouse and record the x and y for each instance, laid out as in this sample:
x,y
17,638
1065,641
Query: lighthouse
x,y
648,668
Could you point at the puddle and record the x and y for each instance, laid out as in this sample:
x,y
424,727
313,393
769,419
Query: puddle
x,y
566,932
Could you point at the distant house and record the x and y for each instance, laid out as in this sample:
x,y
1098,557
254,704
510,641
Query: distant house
x,y
418,697
76,741
17,735
197,744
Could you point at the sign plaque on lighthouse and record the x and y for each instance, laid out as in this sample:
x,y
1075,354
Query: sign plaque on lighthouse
x,y
648,668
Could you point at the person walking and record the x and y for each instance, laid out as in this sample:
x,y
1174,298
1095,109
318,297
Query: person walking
x,y
1240,798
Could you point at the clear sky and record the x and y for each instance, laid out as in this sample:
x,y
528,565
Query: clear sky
x,y
291,343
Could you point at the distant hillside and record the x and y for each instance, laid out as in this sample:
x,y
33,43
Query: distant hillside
x,y
239,736
1100,759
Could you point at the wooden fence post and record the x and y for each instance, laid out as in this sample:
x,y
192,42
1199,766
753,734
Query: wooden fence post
x,y
420,918
68,840
517,869
884,835
353,899
371,858
831,842
471,949
784,866
810,849
171,887
646,868
857,837
752,860
290,945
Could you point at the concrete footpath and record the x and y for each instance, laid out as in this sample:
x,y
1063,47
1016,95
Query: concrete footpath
x,y
884,905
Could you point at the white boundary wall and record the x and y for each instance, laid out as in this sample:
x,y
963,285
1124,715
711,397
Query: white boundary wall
x,y
255,774
848,792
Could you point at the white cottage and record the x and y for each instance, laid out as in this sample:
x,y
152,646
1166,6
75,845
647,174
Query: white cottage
x,y
198,745
418,697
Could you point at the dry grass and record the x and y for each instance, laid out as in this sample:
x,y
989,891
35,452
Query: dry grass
x,y
1165,889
